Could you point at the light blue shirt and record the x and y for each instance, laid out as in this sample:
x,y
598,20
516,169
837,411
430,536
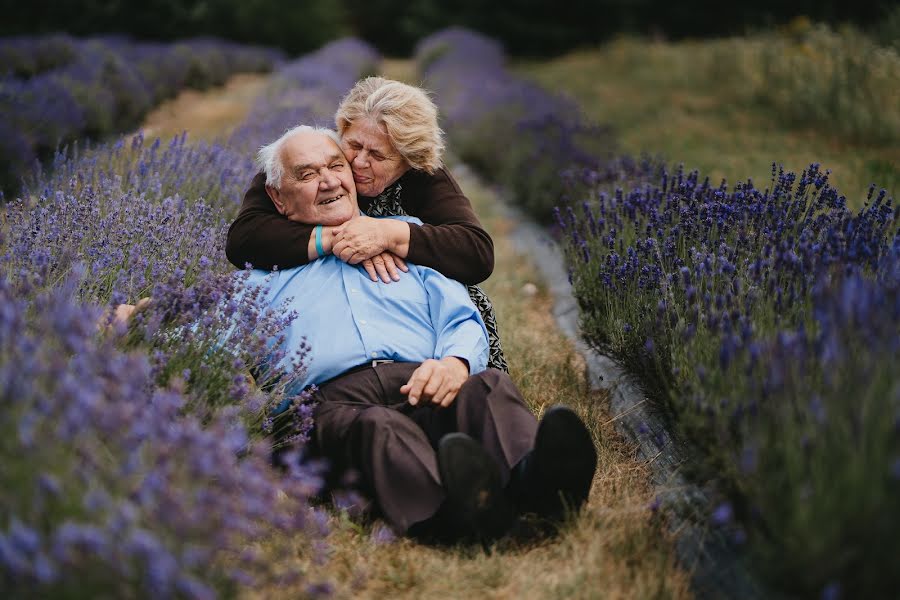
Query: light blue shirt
x,y
347,319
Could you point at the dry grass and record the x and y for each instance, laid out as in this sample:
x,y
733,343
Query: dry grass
x,y
206,115
667,99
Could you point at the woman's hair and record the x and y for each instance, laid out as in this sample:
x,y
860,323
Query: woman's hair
x,y
269,157
407,114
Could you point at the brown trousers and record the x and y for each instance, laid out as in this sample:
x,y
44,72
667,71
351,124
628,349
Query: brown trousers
x,y
364,423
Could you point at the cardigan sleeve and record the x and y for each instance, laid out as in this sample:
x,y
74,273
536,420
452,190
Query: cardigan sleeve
x,y
451,239
262,236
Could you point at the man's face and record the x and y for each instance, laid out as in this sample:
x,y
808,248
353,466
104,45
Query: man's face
x,y
376,164
317,185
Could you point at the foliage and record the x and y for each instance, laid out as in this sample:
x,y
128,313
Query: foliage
x,y
526,27
295,29
765,324
811,75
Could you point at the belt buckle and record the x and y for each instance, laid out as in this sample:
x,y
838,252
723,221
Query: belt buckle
x,y
380,361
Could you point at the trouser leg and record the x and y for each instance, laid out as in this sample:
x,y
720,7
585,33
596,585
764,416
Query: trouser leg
x,y
489,409
361,424
364,423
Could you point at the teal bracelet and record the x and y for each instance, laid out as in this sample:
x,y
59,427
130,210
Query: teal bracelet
x,y
319,249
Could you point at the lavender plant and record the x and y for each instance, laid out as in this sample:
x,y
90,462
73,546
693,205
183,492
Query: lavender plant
x,y
513,131
109,489
765,324
97,87
307,91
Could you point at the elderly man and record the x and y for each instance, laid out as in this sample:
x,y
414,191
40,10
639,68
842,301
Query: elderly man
x,y
444,446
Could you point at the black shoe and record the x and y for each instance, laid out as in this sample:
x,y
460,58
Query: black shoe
x,y
476,505
556,475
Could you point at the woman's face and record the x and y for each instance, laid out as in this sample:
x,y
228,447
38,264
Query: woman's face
x,y
375,163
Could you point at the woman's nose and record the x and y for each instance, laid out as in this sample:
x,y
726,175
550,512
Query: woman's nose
x,y
361,158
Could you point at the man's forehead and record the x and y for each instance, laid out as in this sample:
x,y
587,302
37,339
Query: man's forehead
x,y
311,147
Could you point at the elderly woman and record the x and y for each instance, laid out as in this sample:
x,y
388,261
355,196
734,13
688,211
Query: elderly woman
x,y
390,135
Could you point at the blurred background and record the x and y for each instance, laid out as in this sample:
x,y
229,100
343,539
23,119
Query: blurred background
x,y
525,27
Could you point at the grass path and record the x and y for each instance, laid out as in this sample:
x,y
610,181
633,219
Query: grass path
x,y
206,114
614,549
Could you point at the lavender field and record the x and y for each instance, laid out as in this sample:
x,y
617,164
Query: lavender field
x,y
762,319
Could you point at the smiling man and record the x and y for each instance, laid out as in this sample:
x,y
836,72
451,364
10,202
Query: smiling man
x,y
444,446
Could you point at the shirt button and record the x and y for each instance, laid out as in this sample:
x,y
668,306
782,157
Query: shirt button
x,y
354,290
362,321
374,355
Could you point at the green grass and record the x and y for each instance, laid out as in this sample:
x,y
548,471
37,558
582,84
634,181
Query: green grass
x,y
681,101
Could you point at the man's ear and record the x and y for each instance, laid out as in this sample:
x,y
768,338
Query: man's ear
x,y
275,195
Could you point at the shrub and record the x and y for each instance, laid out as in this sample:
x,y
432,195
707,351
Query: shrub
x,y
812,75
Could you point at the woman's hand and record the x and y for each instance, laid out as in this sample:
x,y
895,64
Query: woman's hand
x,y
385,266
364,237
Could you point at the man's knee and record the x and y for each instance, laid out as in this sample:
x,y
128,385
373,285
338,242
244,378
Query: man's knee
x,y
489,379
380,420
492,385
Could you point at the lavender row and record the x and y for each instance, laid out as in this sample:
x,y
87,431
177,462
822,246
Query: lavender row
x,y
56,89
513,131
306,91
766,325
137,457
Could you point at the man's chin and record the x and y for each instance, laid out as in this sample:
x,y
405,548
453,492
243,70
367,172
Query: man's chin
x,y
338,217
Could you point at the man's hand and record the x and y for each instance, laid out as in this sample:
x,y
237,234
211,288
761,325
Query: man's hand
x,y
437,380
123,312
364,237
385,266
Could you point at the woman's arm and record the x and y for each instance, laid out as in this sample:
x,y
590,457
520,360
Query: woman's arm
x,y
261,236
451,239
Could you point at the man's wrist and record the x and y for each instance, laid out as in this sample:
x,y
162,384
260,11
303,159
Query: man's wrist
x,y
458,363
327,240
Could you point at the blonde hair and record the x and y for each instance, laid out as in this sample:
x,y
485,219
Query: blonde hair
x,y
269,156
407,114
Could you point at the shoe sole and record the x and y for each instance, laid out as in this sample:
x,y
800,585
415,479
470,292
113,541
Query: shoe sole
x,y
473,486
565,456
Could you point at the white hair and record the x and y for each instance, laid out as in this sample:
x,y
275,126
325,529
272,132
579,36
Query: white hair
x,y
269,160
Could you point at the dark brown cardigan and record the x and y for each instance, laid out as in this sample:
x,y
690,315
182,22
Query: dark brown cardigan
x,y
451,240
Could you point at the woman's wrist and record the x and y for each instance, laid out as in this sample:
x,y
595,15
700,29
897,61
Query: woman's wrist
x,y
398,237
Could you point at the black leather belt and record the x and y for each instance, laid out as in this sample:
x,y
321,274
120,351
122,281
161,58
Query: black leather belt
x,y
366,365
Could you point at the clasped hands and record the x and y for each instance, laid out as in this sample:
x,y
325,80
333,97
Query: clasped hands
x,y
368,241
